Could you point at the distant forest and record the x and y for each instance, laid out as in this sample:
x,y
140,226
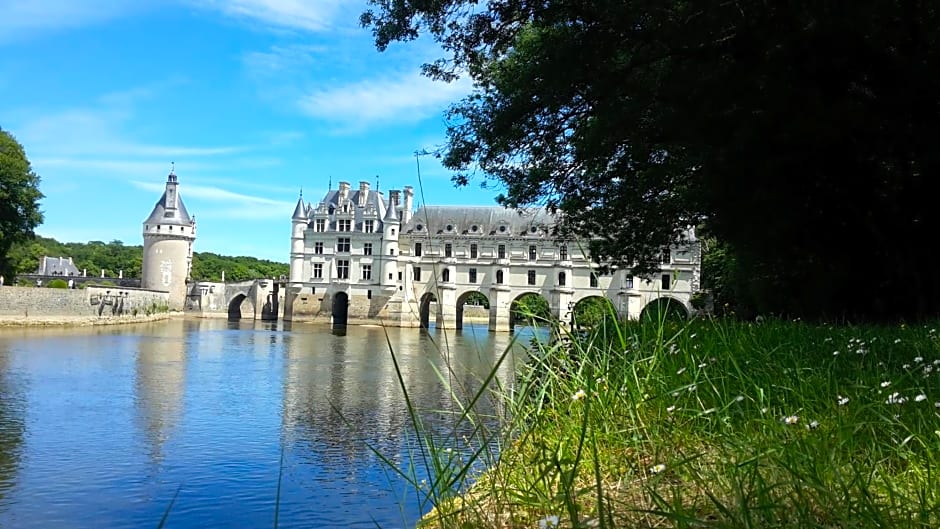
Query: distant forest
x,y
115,256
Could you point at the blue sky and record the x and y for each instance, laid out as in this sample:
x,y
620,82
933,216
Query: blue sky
x,y
252,100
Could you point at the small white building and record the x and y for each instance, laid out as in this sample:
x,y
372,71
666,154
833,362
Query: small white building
x,y
169,233
359,258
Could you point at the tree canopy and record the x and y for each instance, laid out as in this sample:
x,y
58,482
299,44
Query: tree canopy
x,y
797,134
19,198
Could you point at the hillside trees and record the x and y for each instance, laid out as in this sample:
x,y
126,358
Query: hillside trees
x,y
797,134
19,198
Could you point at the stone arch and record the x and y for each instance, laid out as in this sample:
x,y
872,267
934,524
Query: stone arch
x,y
540,305
461,301
664,307
592,310
424,309
340,309
237,303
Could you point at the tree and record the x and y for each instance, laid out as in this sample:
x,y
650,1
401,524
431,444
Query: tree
x,y
795,133
19,198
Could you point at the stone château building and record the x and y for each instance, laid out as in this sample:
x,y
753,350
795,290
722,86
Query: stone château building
x,y
358,257
169,233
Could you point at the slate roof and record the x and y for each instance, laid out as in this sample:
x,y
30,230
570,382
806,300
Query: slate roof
x,y
58,266
487,220
176,217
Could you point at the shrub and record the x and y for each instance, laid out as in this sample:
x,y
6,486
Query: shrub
x,y
57,283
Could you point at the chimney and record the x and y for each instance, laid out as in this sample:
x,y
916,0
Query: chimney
x,y
363,193
343,191
394,198
409,204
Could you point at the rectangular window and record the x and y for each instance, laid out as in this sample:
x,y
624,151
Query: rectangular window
x,y
417,249
367,272
499,277
666,256
533,251
368,226
344,225
367,248
318,248
342,245
593,280
318,270
342,269
563,252
562,279
473,251
666,280
368,294
391,251
473,275
531,277
448,250
320,225
417,273
399,276
628,282
445,275
501,251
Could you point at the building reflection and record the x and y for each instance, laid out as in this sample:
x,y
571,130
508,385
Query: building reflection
x,y
342,393
160,383
12,422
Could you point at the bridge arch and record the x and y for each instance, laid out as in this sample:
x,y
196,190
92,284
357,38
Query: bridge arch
x,y
592,310
238,304
665,307
469,295
340,309
529,303
424,309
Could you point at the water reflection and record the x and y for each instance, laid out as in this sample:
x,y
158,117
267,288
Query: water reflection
x,y
119,418
159,385
12,422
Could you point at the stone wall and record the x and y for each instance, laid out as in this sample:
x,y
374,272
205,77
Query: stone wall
x,y
93,302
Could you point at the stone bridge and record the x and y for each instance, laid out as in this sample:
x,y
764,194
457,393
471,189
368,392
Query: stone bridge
x,y
257,299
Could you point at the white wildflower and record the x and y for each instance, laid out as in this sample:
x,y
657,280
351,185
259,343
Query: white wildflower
x,y
896,398
671,409
739,398
835,353
791,419
918,359
842,401
886,383
906,366
579,395
549,522
920,398
657,469
813,425
680,371
897,340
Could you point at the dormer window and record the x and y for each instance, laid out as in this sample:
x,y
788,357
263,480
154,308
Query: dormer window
x,y
419,227
449,228
474,229
533,230
502,229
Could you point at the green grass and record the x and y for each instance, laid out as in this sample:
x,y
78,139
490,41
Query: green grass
x,y
700,424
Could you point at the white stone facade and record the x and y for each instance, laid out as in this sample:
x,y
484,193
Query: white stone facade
x,y
359,258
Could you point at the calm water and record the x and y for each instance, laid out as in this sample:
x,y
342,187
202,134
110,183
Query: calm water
x,y
100,427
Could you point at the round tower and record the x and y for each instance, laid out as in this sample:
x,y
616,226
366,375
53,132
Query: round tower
x,y
298,225
391,224
169,233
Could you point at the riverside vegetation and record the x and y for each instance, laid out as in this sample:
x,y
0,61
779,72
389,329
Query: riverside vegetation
x,y
697,424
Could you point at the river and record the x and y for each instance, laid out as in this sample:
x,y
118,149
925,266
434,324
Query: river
x,y
101,427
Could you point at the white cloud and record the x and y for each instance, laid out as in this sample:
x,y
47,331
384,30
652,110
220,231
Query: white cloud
x,y
405,98
218,194
305,15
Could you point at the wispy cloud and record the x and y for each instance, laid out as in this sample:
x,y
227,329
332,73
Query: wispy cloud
x,y
218,194
406,97
304,15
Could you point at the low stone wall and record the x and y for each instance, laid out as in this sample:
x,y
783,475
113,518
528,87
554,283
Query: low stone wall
x,y
25,303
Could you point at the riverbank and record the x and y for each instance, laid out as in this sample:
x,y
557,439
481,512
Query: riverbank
x,y
706,424
82,321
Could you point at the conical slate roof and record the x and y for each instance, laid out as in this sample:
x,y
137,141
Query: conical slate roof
x,y
161,214
300,212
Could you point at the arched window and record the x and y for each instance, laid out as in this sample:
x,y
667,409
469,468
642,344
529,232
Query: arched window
x,y
499,277
561,279
445,275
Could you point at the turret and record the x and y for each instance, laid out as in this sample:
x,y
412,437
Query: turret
x,y
390,231
169,233
298,224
